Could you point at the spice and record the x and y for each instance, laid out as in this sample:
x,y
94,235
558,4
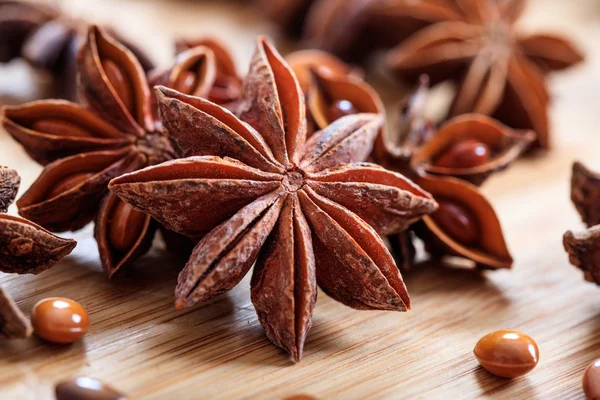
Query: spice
x,y
591,381
25,248
500,72
86,147
584,247
59,320
85,388
13,324
507,353
307,213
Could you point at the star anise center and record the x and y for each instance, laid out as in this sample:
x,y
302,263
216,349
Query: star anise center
x,y
293,180
156,147
498,38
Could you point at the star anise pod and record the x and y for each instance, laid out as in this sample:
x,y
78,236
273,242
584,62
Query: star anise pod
x,y
499,71
13,324
227,84
25,248
49,40
470,147
584,247
306,212
86,147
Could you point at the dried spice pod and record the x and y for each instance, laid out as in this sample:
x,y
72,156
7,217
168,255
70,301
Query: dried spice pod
x,y
86,147
9,186
13,324
499,72
303,62
227,85
471,147
258,191
465,224
585,194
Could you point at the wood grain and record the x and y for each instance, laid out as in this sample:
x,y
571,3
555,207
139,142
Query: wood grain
x,y
141,345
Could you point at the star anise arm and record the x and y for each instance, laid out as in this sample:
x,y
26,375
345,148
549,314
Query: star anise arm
x,y
550,52
353,264
284,289
9,186
53,129
193,195
13,324
199,127
114,84
585,194
273,104
349,139
66,194
584,251
387,201
224,256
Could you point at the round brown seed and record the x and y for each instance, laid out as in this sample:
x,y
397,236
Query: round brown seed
x,y
120,83
507,353
186,82
59,320
591,381
339,109
465,154
84,388
125,227
456,221
67,183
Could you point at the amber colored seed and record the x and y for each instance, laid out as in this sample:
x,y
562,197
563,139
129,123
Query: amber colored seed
x,y
59,320
457,222
507,353
60,127
118,80
67,183
186,82
84,388
125,226
466,154
591,380
341,108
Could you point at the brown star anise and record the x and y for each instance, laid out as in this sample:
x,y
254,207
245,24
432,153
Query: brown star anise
x,y
470,147
49,40
85,148
13,324
500,72
584,247
306,212
25,248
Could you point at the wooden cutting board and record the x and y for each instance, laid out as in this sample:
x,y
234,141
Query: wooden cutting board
x,y
141,345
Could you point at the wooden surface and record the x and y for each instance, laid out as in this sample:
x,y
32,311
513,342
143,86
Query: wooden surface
x,y
141,345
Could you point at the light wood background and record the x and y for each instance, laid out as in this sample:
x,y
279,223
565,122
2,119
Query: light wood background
x,y
141,345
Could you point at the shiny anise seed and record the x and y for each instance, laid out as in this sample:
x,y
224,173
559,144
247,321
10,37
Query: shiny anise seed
x,y
59,320
186,82
84,388
120,82
67,183
465,154
125,226
339,109
457,222
507,353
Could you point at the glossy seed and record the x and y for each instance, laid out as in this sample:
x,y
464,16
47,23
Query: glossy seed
x,y
59,127
119,81
339,109
456,221
59,320
507,353
186,82
67,183
84,388
591,381
466,154
125,227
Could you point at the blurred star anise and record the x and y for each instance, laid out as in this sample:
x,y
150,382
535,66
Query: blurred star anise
x,y
86,147
306,211
584,247
13,324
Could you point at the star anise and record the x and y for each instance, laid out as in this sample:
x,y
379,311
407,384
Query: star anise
x,y
499,71
584,247
85,148
49,40
25,248
470,147
13,324
306,212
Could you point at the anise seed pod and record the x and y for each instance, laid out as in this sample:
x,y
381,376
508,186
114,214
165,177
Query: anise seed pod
x,y
13,324
585,194
9,186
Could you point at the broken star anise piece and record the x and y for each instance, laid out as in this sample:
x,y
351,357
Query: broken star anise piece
x,y
86,147
500,73
13,324
25,248
584,247
305,211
